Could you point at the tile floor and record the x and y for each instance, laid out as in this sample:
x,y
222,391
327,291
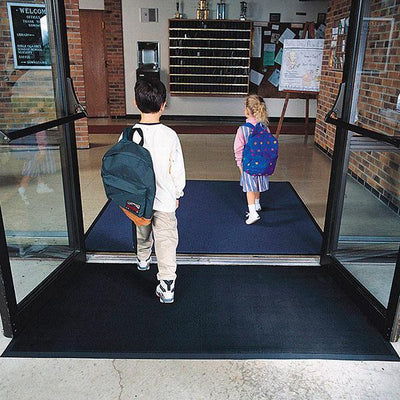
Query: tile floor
x,y
207,157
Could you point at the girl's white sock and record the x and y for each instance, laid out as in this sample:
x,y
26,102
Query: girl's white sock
x,y
252,209
257,203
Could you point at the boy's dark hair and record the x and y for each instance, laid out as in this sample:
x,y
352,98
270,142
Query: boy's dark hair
x,y
149,95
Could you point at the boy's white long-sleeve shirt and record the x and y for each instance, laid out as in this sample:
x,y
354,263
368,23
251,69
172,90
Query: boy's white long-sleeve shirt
x,y
169,169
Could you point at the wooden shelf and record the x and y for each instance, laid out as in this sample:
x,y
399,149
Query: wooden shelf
x,y
210,57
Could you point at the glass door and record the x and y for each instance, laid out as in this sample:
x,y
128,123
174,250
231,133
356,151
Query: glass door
x,y
362,232
41,230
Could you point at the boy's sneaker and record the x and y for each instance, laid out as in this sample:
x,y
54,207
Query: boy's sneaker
x,y
165,291
251,218
143,265
43,188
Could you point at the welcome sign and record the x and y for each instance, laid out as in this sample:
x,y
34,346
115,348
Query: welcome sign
x,y
29,35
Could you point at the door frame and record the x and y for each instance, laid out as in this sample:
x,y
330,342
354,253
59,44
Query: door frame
x,y
384,319
16,316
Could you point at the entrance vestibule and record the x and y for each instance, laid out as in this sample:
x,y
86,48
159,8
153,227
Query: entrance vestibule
x,y
208,157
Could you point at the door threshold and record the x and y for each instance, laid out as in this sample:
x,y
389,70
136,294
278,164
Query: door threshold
x,y
212,259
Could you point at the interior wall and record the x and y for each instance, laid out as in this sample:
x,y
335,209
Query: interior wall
x,y
91,4
258,10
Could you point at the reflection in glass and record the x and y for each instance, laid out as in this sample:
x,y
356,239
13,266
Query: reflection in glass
x,y
32,204
370,226
25,68
378,78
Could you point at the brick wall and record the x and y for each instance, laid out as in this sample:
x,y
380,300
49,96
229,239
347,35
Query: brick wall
x,y
115,57
76,66
379,172
330,79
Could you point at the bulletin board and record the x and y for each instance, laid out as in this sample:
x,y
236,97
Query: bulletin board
x,y
267,60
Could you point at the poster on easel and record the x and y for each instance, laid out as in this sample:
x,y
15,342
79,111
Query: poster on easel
x,y
301,65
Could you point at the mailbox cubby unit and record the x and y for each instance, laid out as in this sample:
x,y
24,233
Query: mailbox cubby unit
x,y
209,58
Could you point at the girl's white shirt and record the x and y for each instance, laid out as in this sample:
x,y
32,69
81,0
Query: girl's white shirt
x,y
169,168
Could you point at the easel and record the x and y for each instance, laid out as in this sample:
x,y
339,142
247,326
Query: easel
x,y
310,29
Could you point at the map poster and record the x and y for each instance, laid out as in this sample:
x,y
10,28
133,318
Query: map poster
x,y
29,35
301,65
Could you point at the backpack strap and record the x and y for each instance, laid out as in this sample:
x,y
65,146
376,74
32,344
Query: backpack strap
x,y
258,123
128,133
249,125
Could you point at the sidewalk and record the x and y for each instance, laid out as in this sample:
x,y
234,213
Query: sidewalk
x,y
86,379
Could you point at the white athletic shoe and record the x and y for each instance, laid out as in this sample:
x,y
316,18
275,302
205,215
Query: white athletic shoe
x,y
251,218
43,188
143,265
23,196
165,291
258,207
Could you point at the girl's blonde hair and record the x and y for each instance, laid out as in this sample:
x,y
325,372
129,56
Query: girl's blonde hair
x,y
257,107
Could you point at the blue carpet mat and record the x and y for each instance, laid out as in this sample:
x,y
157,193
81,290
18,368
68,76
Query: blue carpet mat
x,y
219,312
211,221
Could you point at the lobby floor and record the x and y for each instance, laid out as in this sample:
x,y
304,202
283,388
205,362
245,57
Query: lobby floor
x,y
210,157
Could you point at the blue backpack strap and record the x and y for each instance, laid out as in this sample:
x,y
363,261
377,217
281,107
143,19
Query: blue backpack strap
x,y
128,132
249,125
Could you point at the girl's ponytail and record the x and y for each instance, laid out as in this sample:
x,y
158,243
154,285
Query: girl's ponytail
x,y
257,107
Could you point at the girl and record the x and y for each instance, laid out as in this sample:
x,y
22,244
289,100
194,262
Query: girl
x,y
255,111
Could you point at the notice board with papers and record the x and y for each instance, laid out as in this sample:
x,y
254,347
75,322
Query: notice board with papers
x,y
268,62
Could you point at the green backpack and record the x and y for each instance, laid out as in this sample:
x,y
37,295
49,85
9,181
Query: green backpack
x,y
128,177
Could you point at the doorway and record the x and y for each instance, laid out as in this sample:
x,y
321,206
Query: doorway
x,y
73,229
94,62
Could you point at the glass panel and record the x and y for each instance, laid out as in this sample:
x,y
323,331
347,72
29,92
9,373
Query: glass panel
x,y
33,207
378,80
370,226
26,69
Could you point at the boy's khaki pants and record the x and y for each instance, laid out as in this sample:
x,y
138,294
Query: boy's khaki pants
x,y
164,230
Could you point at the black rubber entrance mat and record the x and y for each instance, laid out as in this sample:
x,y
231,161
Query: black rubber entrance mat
x,y
111,311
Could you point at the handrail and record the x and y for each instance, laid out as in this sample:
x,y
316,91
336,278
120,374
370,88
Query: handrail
x,y
393,140
20,133
337,110
75,109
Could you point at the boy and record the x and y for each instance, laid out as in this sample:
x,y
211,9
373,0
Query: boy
x,y
165,149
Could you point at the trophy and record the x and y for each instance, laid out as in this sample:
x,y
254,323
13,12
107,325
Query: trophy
x,y
220,10
203,11
243,10
178,14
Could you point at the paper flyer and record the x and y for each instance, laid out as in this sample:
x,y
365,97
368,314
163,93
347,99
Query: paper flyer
x,y
278,58
256,77
275,37
288,34
274,78
257,35
269,54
